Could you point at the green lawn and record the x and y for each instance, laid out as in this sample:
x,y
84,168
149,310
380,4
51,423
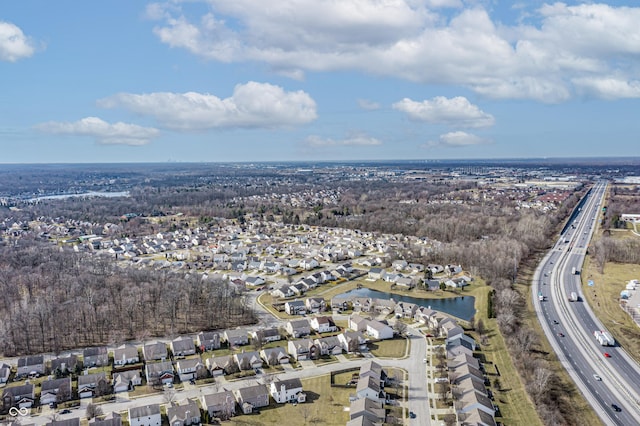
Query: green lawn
x,y
392,348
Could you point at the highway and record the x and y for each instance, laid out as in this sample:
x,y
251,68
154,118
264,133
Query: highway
x,y
569,325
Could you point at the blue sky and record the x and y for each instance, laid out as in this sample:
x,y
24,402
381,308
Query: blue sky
x,y
288,80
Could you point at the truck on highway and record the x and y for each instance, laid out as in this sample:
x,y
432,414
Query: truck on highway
x,y
573,297
604,338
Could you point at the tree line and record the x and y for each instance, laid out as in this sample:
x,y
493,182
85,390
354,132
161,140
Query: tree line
x,y
54,300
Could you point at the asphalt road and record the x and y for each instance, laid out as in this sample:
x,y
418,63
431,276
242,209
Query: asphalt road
x,y
569,326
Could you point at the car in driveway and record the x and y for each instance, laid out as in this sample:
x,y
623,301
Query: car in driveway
x,y
616,408
607,355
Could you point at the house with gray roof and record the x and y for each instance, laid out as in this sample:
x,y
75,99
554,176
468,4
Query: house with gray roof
x,y
289,390
248,360
145,415
125,354
252,397
220,404
95,357
155,352
55,390
182,346
159,372
88,384
185,414
64,365
275,356
237,337
22,396
208,341
30,365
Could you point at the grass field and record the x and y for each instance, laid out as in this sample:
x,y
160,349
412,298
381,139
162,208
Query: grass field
x,y
603,299
392,348
325,406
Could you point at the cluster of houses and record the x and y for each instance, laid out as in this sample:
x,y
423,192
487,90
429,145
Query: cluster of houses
x,y
367,404
466,378
157,363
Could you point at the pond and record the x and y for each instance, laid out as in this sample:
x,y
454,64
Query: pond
x,y
460,307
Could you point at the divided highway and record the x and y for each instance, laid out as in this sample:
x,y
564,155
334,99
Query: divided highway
x,y
608,378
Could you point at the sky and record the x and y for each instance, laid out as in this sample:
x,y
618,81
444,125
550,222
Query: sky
x,y
316,80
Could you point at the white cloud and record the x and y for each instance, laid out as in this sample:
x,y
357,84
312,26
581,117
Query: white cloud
x,y
456,139
103,132
608,87
252,105
413,40
368,105
14,45
456,111
353,140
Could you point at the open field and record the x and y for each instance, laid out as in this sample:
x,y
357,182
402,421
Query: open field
x,y
393,348
325,406
603,299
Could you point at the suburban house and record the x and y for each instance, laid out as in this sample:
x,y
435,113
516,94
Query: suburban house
x,y
476,400
126,380
477,417
208,341
295,307
379,330
188,368
30,366
5,372
462,340
252,397
95,357
185,414
236,337
65,365
155,352
353,341
275,356
146,415
55,390
362,304
266,335
357,322
248,360
329,345
220,404
159,373
298,328
315,304
376,273
302,349
289,390
371,409
111,419
284,291
125,354
182,346
323,324
406,310
22,396
369,387
88,384
221,365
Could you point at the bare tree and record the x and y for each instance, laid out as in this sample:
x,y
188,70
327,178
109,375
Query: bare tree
x,y
93,410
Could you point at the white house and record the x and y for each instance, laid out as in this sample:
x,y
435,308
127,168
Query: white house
x,y
379,331
125,354
289,390
323,324
146,415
